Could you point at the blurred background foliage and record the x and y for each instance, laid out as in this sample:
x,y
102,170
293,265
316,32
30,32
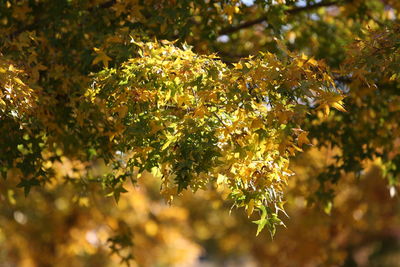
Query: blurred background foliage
x,y
55,226
342,203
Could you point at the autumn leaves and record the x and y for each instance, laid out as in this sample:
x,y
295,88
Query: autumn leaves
x,y
203,120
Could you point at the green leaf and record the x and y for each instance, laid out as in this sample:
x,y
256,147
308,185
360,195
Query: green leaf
x,y
27,184
262,221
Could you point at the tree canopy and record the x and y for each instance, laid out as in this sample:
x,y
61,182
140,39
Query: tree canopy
x,y
227,97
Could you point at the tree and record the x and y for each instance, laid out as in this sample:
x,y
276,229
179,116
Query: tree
x,y
211,95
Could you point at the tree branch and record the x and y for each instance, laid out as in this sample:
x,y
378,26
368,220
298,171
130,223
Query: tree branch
x,y
263,18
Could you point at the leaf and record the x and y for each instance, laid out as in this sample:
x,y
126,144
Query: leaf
x,y
262,221
250,207
168,143
303,139
257,124
328,207
101,57
221,179
339,106
18,80
117,192
238,66
27,184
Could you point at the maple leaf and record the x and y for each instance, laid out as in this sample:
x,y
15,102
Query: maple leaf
x,y
101,57
303,139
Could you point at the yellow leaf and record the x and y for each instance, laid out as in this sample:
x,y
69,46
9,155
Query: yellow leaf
x,y
221,179
199,113
257,124
250,207
300,64
238,66
338,106
101,57
18,80
169,141
303,139
327,110
313,62
297,148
